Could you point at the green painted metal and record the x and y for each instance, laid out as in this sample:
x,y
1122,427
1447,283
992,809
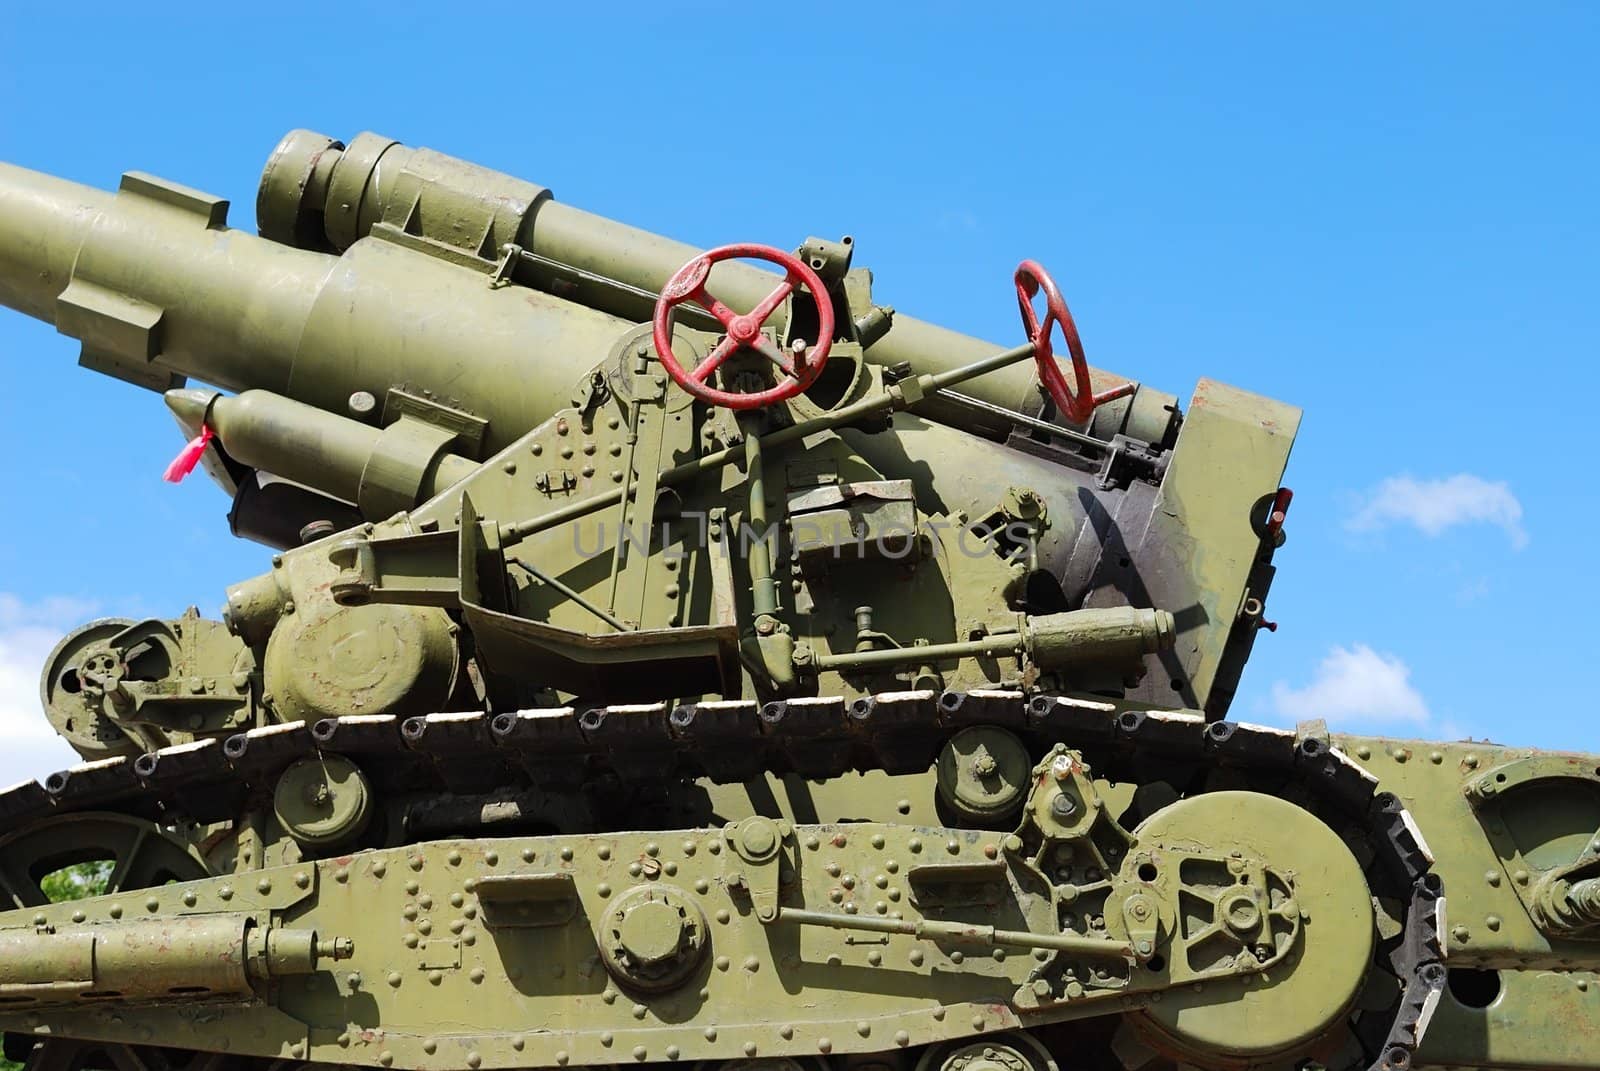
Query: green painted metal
x,y
579,722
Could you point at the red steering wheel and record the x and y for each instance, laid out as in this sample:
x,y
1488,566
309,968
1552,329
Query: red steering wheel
x,y
800,369
1077,402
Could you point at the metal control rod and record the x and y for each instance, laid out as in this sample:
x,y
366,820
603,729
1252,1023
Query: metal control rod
x,y
1095,947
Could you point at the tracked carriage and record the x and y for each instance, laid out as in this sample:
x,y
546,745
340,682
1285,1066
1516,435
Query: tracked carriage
x,y
663,660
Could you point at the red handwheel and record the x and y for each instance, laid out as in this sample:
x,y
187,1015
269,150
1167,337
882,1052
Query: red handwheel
x,y
799,370
1077,401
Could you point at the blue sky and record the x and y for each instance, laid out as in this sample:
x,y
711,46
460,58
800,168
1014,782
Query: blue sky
x,y
1387,217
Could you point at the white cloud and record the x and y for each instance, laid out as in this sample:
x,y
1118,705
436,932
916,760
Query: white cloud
x,y
1354,685
29,748
1432,506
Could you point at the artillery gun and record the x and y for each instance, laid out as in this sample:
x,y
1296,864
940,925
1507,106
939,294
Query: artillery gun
x,y
663,661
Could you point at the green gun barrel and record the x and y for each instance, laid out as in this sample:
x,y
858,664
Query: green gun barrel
x,y
378,268
158,289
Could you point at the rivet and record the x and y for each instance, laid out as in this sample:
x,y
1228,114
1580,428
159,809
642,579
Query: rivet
x,y
151,904
606,1039
752,964
903,806
425,927
394,979
1461,934
877,840
864,1029
527,855
609,996
518,1042
412,887
915,844
881,907
430,1046
786,1031
416,862
386,1057
116,911
1493,878
79,916
640,1011
957,956
702,886
750,1048
1436,757
722,915
264,886
1520,877
454,857
722,963
977,1022
301,879
562,1057
891,866
710,1033
916,957
411,940
875,958
1363,752
902,1038
474,1060
634,870
812,843
1470,762
824,1044
603,889
409,913
190,899
380,868
1493,922
566,855
435,977
425,901
640,1052
672,1052
952,846
604,851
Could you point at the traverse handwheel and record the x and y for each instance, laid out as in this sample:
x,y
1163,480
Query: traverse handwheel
x,y
1076,401
797,368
